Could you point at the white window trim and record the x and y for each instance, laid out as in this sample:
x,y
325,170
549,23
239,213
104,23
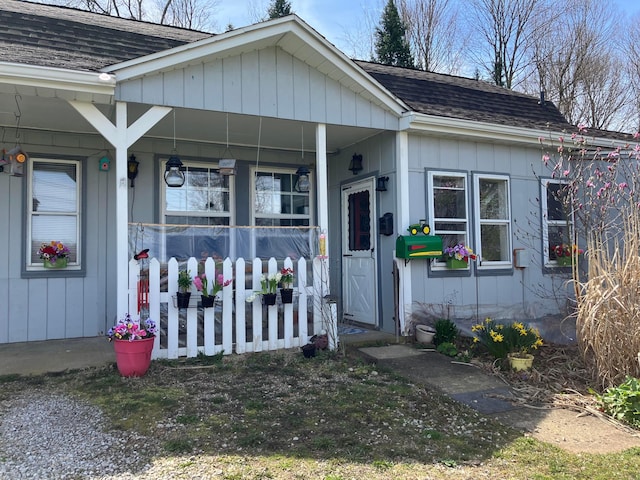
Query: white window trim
x,y
437,264
252,199
72,266
197,164
545,221
478,222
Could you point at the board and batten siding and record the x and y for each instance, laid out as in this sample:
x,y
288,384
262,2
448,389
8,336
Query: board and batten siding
x,y
58,306
268,82
492,294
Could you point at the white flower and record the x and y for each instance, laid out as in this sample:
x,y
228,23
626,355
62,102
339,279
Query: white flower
x,y
250,298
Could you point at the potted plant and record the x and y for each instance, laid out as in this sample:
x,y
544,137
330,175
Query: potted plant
x,y
202,285
268,289
513,341
458,256
184,286
133,344
565,253
54,254
286,292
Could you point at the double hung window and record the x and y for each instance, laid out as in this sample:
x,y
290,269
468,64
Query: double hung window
x,y
448,208
492,213
557,222
54,209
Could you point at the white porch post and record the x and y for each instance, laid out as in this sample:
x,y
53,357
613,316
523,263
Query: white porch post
x,y
121,136
122,200
405,299
322,184
329,320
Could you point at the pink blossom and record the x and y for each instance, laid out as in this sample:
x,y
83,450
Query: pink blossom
x,y
582,128
590,184
623,185
561,139
566,172
197,282
545,159
636,135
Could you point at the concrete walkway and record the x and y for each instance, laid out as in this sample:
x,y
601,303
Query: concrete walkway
x,y
51,356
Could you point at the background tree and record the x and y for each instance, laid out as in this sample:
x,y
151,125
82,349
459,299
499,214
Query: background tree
x,y
392,47
505,30
431,29
279,8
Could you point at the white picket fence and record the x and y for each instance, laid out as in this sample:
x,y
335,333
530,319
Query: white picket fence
x,y
183,334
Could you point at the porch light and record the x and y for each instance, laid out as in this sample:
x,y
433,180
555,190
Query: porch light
x,y
381,185
356,164
174,171
132,168
303,184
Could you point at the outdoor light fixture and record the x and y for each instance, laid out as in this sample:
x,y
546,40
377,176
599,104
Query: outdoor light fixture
x,y
174,170
227,165
303,184
356,164
382,184
132,168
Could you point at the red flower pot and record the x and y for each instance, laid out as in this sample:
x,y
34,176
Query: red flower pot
x,y
133,358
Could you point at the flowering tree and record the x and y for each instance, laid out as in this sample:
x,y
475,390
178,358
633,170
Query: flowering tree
x,y
600,194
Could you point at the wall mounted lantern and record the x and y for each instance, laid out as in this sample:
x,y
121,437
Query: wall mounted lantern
x,y
132,168
356,163
381,185
303,184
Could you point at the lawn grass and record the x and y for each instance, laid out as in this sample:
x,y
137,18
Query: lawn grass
x,y
278,415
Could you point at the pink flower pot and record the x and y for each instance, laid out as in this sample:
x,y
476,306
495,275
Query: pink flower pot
x,y
133,358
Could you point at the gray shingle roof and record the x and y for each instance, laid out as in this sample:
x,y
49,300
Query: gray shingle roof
x,y
465,98
51,36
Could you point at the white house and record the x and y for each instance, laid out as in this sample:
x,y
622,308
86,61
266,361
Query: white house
x,y
82,93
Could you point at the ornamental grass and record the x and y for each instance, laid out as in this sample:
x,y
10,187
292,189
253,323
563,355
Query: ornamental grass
x,y
608,308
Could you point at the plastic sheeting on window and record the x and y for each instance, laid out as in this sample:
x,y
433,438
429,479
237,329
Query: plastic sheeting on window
x,y
220,242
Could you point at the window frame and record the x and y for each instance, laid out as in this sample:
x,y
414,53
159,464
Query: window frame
x,y
483,264
438,264
36,269
230,214
310,216
544,207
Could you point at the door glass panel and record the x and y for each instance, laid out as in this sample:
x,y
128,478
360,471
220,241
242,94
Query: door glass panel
x,y
359,221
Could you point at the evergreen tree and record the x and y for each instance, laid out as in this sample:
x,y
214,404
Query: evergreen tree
x,y
392,47
279,8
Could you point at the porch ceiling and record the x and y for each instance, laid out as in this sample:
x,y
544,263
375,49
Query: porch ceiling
x,y
48,113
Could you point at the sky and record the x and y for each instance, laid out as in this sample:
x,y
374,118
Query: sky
x,y
344,23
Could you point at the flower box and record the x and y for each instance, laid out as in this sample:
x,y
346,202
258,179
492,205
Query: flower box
x,y
59,263
454,263
564,261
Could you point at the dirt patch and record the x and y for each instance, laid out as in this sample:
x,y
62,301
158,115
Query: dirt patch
x,y
558,404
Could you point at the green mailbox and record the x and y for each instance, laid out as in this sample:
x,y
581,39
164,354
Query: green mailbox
x,y
418,246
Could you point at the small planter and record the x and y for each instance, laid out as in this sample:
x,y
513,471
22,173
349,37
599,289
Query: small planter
x,y
424,334
287,295
208,301
59,263
454,263
269,298
133,358
309,350
520,361
564,261
182,299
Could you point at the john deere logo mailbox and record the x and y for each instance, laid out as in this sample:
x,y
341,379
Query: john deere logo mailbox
x,y
419,246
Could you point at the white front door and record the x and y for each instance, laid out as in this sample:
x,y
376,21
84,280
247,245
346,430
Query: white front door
x,y
359,266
